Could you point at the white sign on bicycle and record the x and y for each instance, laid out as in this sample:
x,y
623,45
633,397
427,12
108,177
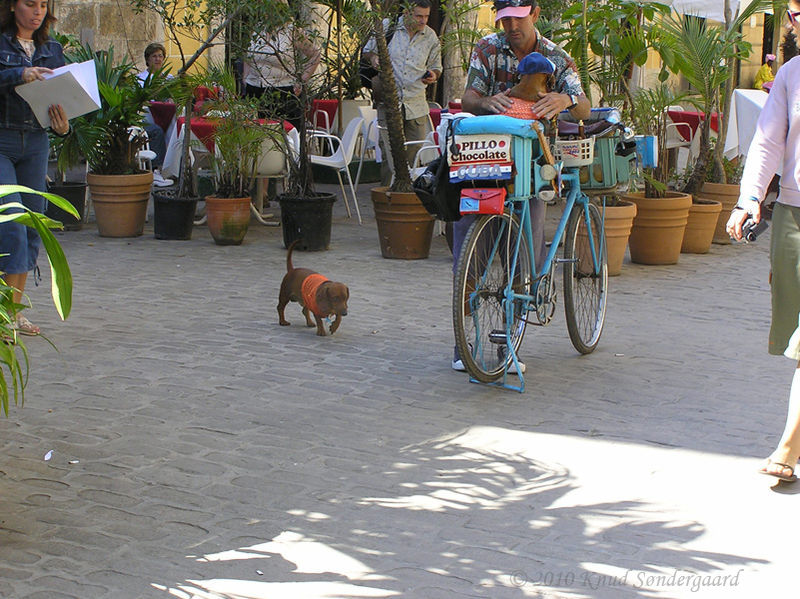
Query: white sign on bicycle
x,y
480,157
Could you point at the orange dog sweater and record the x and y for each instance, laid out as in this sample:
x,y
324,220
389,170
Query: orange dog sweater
x,y
521,109
309,292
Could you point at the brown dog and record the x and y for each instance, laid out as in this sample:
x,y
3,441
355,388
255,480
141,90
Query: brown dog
x,y
315,293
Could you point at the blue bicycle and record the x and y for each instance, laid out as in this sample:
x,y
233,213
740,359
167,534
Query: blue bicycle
x,y
498,289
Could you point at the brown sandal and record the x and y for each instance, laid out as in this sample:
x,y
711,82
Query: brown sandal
x,y
788,478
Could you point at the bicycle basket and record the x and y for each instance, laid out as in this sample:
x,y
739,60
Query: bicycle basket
x,y
575,152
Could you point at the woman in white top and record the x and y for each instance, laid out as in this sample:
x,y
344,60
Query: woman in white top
x,y
279,64
777,142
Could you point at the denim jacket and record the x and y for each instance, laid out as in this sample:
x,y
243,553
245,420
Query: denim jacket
x,y
15,113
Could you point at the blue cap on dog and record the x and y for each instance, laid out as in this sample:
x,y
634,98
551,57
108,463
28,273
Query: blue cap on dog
x,y
535,63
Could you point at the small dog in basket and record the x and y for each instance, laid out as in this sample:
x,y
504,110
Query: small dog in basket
x,y
315,293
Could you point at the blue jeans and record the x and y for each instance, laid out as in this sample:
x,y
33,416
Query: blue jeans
x,y
23,161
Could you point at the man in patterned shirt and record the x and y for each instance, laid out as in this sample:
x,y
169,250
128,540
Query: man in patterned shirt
x,y
493,66
492,74
417,62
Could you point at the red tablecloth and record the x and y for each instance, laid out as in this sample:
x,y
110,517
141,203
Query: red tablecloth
x,y
693,118
204,128
324,106
163,113
454,106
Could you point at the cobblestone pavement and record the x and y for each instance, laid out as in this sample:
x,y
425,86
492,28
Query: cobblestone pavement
x,y
201,450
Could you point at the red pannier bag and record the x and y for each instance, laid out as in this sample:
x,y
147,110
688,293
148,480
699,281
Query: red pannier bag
x,y
483,201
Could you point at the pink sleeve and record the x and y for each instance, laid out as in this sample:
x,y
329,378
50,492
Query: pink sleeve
x,y
766,151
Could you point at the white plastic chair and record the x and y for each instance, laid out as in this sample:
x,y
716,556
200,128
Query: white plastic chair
x,y
272,164
145,155
342,155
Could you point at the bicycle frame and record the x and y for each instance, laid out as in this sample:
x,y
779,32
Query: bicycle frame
x,y
519,205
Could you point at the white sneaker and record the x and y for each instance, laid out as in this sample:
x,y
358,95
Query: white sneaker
x,y
459,366
512,368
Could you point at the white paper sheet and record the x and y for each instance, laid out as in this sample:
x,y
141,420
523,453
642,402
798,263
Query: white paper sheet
x,y
74,86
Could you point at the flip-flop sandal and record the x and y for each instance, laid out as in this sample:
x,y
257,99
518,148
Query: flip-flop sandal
x,y
790,478
26,327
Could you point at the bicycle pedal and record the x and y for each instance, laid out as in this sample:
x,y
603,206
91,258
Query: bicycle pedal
x,y
499,337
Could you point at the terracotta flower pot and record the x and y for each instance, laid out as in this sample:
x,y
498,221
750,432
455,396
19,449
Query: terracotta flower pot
x,y
120,203
405,228
700,227
618,223
658,228
726,194
228,219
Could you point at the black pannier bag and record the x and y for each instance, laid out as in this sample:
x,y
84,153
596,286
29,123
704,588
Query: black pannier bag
x,y
440,197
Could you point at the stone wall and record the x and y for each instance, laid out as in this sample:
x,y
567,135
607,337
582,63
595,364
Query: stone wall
x,y
105,23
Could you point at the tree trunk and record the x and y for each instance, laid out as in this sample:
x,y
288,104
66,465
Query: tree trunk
x,y
725,108
394,116
698,176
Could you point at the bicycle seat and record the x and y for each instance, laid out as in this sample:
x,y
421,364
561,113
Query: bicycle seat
x,y
495,124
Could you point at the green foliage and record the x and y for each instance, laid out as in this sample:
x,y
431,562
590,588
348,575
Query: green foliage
x,y
237,138
649,116
706,56
13,355
459,31
356,31
619,34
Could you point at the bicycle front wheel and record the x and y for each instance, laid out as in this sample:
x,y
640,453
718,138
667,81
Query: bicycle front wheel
x,y
585,285
479,291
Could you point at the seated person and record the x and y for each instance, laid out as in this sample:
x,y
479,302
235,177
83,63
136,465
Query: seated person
x,y
154,55
536,78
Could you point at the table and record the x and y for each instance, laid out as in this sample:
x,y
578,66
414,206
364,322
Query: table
x,y
202,130
693,118
322,111
163,113
746,105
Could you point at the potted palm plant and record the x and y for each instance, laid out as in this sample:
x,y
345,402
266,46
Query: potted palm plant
x,y
192,28
238,140
405,228
706,55
661,215
119,189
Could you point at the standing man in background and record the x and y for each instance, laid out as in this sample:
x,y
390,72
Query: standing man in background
x,y
417,62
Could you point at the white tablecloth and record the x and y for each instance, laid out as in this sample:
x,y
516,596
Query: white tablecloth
x,y
746,105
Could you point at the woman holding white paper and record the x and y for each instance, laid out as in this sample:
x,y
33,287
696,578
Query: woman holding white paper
x,y
27,53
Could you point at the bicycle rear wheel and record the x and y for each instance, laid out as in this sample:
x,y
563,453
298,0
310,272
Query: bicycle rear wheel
x,y
585,287
479,289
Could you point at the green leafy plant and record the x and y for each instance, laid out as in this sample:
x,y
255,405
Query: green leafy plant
x,y
238,137
650,118
341,54
619,34
706,55
193,26
103,136
14,363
